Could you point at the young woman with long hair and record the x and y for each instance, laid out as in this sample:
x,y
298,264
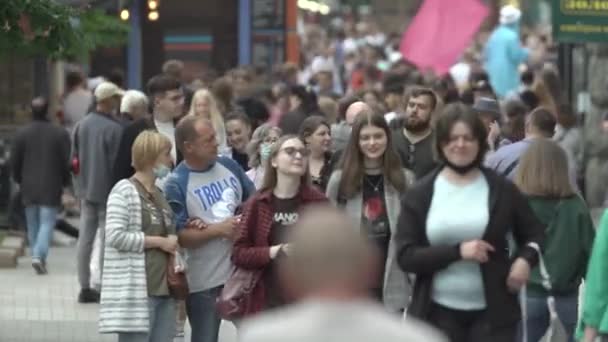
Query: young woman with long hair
x,y
259,149
542,175
270,214
452,235
316,134
368,187
205,105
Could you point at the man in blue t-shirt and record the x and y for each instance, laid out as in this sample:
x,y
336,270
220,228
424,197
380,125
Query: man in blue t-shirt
x,y
211,188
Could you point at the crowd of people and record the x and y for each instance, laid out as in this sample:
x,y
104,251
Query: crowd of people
x,y
459,187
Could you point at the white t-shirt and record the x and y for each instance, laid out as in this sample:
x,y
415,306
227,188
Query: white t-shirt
x,y
316,320
168,129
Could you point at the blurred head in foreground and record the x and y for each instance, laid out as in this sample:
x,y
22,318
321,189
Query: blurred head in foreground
x,y
329,258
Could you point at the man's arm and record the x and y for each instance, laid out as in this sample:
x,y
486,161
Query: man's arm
x,y
190,238
17,158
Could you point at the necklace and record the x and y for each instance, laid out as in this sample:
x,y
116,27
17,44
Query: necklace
x,y
376,187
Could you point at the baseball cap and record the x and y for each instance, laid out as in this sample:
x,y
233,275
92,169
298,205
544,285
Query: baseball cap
x,y
106,90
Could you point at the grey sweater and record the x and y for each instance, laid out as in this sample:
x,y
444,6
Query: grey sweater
x,y
96,142
40,162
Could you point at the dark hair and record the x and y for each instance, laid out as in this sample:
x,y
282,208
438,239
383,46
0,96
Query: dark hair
x,y
452,114
160,84
514,128
343,105
310,125
543,120
515,107
239,116
393,83
307,97
416,91
223,92
40,108
73,78
565,116
352,159
117,76
527,77
255,110
529,98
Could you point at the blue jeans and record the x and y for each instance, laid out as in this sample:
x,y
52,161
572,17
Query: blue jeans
x,y
162,322
538,315
40,222
203,316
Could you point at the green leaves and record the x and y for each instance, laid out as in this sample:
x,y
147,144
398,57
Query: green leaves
x,y
47,28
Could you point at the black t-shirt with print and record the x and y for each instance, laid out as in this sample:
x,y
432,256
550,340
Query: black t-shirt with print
x,y
284,218
375,224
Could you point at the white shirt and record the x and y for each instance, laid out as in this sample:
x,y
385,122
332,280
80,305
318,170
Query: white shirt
x,y
316,320
458,213
390,116
168,129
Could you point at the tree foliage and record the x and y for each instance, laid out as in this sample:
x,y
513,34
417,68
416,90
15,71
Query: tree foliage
x,y
47,28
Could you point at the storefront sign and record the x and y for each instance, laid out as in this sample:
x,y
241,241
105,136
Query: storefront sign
x,y
579,21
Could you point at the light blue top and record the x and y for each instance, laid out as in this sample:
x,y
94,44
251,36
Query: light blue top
x,y
458,213
506,159
503,54
212,195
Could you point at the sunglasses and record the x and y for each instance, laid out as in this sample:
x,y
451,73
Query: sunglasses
x,y
292,151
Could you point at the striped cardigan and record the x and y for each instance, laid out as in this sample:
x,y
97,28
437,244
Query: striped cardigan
x,y
124,294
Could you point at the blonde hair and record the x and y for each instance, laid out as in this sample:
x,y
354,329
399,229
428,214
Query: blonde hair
x,y
148,146
215,116
543,170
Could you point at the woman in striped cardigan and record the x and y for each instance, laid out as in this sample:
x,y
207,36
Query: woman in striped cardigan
x,y
140,236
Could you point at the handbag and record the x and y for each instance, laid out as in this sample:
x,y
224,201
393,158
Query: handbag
x,y
234,301
556,331
176,277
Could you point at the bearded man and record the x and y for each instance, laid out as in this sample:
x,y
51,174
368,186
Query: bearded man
x,y
413,133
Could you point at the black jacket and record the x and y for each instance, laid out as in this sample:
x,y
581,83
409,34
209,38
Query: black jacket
x,y
40,160
509,211
122,167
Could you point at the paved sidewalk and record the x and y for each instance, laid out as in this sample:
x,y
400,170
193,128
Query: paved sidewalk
x,y
45,309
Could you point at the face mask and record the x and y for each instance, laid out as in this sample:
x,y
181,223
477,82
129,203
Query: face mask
x,y
265,150
161,171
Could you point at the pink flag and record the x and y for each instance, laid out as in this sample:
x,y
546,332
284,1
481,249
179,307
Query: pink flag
x,y
440,32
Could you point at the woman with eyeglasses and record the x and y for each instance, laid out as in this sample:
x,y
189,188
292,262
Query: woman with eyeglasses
x,y
259,149
368,187
269,216
315,132
453,235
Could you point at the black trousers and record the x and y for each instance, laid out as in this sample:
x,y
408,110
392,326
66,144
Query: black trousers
x,y
468,326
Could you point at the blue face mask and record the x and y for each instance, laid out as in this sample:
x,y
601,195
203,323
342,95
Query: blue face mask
x,y
265,150
161,171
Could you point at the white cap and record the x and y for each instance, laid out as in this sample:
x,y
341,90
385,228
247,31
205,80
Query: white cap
x,y
106,90
509,14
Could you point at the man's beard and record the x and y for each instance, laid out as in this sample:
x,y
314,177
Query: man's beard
x,y
416,125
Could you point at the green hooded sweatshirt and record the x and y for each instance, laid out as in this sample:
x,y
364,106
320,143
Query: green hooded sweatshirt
x,y
595,303
569,238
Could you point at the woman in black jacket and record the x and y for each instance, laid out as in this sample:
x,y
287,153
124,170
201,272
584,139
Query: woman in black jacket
x,y
453,235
